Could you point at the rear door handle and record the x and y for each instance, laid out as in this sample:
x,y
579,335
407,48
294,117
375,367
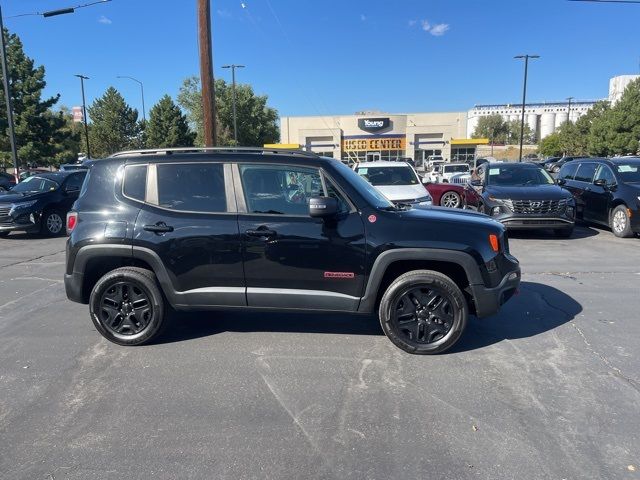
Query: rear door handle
x,y
262,232
159,227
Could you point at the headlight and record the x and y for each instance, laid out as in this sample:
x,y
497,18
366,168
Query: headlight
x,y
507,202
639,198
21,205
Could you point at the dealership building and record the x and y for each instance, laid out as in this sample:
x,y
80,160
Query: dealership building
x,y
371,136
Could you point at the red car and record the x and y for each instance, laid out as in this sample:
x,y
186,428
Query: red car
x,y
446,194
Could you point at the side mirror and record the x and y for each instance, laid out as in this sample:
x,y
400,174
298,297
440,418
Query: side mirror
x,y
600,182
323,207
561,181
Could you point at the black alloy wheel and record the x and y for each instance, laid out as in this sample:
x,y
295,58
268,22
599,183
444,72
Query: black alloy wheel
x,y
127,307
423,312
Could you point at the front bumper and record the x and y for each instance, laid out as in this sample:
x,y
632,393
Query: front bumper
x,y
489,300
526,223
24,222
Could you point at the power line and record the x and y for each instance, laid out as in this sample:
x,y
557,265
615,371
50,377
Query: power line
x,y
62,11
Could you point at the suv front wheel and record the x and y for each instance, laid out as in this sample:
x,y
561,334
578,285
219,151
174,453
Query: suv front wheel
x,y
126,306
423,312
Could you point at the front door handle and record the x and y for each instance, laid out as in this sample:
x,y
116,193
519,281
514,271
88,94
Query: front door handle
x,y
261,232
158,228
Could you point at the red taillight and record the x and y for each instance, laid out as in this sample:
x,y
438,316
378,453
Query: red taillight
x,y
72,221
495,244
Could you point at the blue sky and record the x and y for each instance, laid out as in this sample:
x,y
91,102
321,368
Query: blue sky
x,y
339,56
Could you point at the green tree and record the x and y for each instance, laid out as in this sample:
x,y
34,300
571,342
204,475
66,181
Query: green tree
x,y
513,135
492,127
257,122
69,139
167,126
40,134
114,125
551,145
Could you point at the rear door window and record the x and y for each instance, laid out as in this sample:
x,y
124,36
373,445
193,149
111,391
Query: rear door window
x,y
585,172
192,187
568,171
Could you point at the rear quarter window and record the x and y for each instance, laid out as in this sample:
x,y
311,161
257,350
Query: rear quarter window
x,y
135,182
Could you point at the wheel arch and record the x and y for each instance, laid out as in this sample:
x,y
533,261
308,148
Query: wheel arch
x,y
458,266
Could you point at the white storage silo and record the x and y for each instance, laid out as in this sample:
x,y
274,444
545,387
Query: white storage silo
x,y
561,117
547,124
532,121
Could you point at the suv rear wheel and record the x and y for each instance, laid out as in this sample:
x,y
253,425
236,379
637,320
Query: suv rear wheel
x,y
126,306
423,312
619,222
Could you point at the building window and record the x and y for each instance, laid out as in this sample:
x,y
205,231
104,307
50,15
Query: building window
x,y
463,154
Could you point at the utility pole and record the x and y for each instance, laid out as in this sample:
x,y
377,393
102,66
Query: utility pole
x,y
233,88
7,98
569,109
84,113
206,72
524,97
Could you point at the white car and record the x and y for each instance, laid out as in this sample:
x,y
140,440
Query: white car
x,y
451,169
434,169
397,181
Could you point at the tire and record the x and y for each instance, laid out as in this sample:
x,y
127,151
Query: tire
x,y
619,222
563,232
52,223
427,333
451,199
111,301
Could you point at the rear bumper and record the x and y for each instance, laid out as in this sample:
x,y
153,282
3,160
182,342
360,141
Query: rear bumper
x,y
73,286
489,300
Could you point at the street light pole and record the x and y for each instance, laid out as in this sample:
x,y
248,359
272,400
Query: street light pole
x,y
206,73
84,113
144,113
233,88
569,109
524,96
7,97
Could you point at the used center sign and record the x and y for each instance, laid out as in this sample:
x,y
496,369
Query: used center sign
x,y
373,124
373,144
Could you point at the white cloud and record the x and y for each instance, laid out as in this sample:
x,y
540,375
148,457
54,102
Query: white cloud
x,y
363,17
412,23
439,29
104,20
224,13
425,25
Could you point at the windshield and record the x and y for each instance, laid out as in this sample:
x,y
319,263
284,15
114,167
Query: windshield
x,y
456,168
364,188
629,172
510,176
35,184
381,176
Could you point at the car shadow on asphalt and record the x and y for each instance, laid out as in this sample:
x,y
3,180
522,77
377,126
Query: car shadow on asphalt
x,y
580,231
538,308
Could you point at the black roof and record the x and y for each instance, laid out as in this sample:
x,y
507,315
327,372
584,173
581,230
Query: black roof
x,y
57,176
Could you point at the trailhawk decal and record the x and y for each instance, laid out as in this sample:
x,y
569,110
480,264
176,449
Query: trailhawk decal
x,y
339,275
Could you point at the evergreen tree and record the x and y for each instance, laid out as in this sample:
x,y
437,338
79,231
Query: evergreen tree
x,y
114,125
257,122
40,134
167,126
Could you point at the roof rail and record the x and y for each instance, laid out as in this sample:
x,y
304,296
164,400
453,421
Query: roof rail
x,y
180,150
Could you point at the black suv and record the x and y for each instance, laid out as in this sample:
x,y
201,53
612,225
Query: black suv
x,y
40,203
254,228
521,196
607,191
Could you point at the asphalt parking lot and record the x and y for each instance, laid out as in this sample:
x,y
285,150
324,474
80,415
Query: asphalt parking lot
x,y
549,388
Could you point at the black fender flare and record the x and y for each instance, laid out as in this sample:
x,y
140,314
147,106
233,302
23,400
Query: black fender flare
x,y
464,260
